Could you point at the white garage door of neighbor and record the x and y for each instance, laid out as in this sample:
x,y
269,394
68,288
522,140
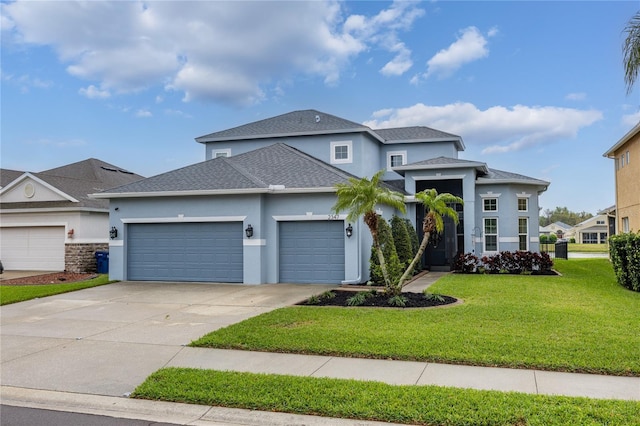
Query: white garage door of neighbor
x,y
38,248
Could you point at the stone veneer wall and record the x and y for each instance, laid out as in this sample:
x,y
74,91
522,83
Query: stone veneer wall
x,y
81,258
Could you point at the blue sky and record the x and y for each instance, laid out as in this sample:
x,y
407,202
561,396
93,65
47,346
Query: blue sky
x,y
532,87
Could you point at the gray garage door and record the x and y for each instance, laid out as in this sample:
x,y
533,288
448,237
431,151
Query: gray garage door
x,y
209,252
312,252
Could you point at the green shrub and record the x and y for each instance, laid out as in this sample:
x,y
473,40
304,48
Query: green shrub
x,y
624,250
553,238
415,243
401,240
544,239
572,240
394,266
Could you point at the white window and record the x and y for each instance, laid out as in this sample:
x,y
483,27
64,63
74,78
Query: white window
x,y
589,238
490,205
396,158
625,224
490,234
523,204
221,153
628,158
523,233
599,222
622,161
341,152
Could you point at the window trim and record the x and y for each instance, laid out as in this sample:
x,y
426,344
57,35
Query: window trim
x,y
625,224
332,153
526,234
215,152
484,205
390,154
484,235
526,204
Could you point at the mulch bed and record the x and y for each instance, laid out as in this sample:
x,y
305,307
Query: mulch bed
x,y
380,300
47,279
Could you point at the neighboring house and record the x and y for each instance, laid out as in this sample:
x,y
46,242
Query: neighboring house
x,y
258,210
594,230
47,220
626,156
560,229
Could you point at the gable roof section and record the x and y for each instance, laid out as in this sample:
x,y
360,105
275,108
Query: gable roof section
x,y
277,167
7,176
75,182
442,163
499,176
296,123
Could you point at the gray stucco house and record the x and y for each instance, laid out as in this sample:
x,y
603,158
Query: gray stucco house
x,y
258,209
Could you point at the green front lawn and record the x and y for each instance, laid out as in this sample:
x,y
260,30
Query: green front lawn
x,y
588,248
424,405
582,321
20,293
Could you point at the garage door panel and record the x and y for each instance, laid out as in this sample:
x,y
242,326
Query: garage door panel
x,y
32,248
210,252
311,252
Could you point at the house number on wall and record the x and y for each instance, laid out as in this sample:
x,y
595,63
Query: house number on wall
x,y
333,216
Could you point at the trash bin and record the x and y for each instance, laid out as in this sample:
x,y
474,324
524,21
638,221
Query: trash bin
x,y
102,262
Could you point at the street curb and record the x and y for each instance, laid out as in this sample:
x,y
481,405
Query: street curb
x,y
160,411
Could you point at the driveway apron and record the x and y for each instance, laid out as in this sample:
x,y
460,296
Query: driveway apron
x,y
106,340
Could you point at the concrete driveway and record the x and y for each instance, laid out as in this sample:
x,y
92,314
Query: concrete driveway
x,y
107,340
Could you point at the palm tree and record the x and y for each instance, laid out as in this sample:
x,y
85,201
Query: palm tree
x,y
437,207
360,197
631,51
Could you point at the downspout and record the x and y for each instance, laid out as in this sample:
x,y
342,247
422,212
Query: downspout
x,y
358,280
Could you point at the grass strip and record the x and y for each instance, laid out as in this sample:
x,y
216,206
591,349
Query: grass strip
x,y
424,405
20,293
582,321
588,248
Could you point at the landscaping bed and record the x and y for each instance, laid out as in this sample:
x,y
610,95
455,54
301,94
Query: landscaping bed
x,y
53,278
378,299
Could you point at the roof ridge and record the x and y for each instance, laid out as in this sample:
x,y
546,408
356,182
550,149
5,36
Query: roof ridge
x,y
243,171
319,162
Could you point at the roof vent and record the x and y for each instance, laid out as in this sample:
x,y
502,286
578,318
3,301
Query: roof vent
x,y
317,118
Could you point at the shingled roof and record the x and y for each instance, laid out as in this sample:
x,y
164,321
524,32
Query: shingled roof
x,y
77,180
313,122
306,122
441,163
277,167
500,176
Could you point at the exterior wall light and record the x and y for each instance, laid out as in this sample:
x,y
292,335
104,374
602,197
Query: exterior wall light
x,y
349,231
113,233
249,231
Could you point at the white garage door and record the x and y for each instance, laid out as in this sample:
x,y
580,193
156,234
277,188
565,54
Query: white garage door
x,y
32,248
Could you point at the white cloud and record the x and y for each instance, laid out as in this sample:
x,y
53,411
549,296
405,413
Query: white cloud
x,y
143,113
217,51
92,92
499,129
470,46
631,119
578,96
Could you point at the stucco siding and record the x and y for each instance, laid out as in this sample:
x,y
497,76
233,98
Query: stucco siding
x,y
627,173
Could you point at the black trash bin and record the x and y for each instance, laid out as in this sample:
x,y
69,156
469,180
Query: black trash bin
x,y
102,262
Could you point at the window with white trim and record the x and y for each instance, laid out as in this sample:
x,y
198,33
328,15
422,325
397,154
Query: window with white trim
x,y
628,157
490,205
221,153
523,233
490,234
396,159
523,204
341,152
625,224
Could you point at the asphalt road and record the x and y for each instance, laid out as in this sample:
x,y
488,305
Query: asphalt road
x,y
21,416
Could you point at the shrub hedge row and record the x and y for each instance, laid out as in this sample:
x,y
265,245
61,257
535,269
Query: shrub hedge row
x,y
505,262
624,251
